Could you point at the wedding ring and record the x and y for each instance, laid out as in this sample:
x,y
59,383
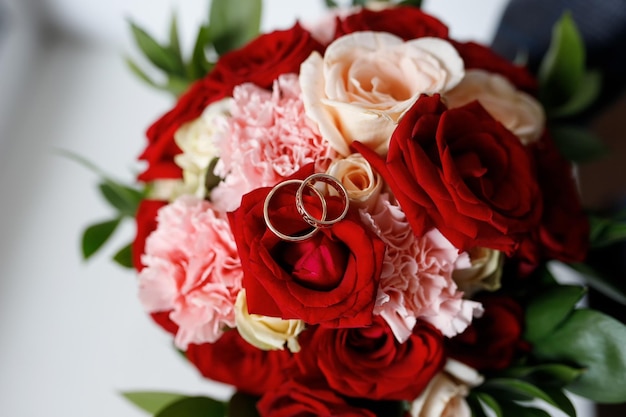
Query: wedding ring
x,y
309,182
277,232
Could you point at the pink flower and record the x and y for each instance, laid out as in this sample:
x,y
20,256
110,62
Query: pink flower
x,y
267,139
192,269
416,282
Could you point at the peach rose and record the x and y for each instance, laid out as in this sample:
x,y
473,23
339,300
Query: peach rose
x,y
362,183
517,111
354,93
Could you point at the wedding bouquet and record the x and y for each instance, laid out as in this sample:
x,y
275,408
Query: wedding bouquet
x,y
356,217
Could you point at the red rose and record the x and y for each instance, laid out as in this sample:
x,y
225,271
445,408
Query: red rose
x,y
304,400
231,360
370,363
331,278
161,148
265,58
146,223
405,22
462,172
492,341
477,56
259,62
564,230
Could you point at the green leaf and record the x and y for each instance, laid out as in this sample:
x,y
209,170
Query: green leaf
x,y
549,308
194,407
124,199
516,410
598,282
414,3
359,2
578,144
174,41
548,372
96,235
520,387
242,405
177,85
475,405
163,58
586,94
139,73
606,231
232,23
596,342
152,401
212,180
331,4
490,402
124,256
562,68
199,66
561,400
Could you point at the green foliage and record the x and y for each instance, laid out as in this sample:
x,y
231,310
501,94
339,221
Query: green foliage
x,y
594,341
96,235
549,309
598,282
607,231
231,24
152,401
578,144
194,407
124,199
242,405
566,87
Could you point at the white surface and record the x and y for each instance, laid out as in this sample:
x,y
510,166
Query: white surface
x,y
73,333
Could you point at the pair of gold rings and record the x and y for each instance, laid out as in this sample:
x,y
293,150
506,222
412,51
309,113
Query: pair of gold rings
x,y
316,223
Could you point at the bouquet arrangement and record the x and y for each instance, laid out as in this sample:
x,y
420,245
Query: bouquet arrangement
x,y
355,217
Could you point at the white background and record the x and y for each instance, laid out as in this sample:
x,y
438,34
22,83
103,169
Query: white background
x,y
72,334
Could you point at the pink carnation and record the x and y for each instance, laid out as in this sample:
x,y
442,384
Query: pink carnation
x,y
268,138
192,269
416,282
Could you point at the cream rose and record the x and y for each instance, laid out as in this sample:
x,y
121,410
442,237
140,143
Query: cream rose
x,y
517,111
266,333
195,139
483,272
362,183
445,394
366,81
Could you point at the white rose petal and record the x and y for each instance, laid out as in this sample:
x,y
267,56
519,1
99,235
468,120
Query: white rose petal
x,y
266,333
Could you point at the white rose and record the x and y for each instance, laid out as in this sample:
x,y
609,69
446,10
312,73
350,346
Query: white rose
x,y
362,183
517,111
445,394
266,333
366,81
195,140
482,272
166,190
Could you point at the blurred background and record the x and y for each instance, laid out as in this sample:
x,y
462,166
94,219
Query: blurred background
x,y
72,333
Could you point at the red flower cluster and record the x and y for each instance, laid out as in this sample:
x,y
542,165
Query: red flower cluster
x,y
458,170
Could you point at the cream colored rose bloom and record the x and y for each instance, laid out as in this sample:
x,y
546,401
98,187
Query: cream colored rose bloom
x,y
517,111
483,273
166,190
366,81
266,333
362,183
195,139
445,394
